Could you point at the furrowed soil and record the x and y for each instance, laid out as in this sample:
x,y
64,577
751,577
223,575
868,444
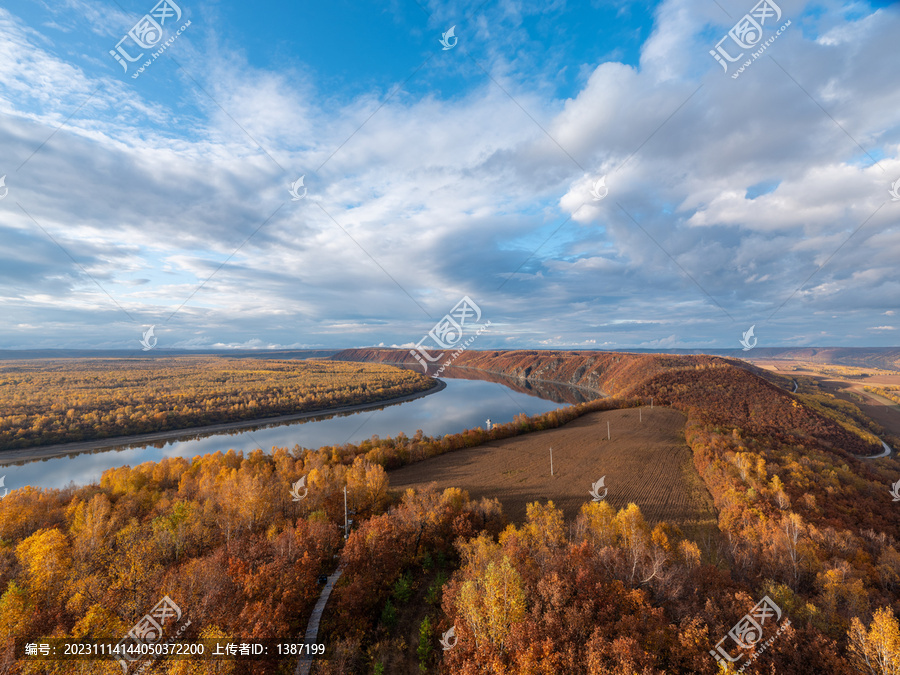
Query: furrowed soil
x,y
646,462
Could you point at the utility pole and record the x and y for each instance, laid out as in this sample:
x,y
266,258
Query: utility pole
x,y
346,526
640,414
551,461
607,429
651,401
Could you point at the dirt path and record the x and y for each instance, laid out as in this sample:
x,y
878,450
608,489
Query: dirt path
x,y
312,628
646,462
63,449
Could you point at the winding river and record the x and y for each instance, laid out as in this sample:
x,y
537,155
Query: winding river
x,y
468,399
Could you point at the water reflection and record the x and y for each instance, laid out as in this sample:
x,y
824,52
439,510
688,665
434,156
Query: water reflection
x,y
550,391
465,403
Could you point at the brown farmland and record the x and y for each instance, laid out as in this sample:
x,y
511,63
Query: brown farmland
x,y
645,462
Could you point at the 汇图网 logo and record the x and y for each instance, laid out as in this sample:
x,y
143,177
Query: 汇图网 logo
x,y
599,189
146,34
748,632
295,189
446,637
299,485
149,340
595,490
745,340
447,37
448,332
747,33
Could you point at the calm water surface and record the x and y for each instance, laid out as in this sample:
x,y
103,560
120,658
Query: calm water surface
x,y
462,405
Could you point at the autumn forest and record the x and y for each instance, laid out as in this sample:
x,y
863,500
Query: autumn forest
x,y
73,400
803,520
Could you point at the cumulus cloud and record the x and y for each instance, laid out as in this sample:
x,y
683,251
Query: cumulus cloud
x,y
175,212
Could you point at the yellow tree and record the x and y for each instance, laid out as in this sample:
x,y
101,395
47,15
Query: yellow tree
x,y
16,612
876,651
46,558
504,600
367,484
134,569
97,622
599,520
89,520
492,600
634,534
205,666
543,532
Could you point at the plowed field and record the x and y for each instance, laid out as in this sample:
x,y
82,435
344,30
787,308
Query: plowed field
x,y
645,462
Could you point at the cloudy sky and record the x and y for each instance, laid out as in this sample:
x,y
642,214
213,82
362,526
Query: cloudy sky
x,y
436,170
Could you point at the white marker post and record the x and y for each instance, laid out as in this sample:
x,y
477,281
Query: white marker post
x,y
607,429
651,401
346,526
551,461
640,414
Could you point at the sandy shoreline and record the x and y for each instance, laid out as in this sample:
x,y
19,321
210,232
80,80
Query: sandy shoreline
x,y
63,449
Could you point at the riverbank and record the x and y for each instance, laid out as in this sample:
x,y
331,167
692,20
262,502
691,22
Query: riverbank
x,y
62,449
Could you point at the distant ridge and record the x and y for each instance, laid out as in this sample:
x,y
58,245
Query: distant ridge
x,y
887,358
722,392
19,354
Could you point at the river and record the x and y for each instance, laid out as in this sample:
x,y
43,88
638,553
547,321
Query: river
x,y
465,403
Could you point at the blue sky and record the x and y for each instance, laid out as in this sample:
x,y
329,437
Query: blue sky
x,y
748,197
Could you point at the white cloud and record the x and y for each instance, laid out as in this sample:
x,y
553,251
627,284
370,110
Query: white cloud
x,y
446,196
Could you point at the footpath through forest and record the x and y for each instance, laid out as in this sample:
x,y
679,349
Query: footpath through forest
x,y
312,628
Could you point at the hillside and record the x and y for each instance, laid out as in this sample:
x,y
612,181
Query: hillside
x,y
721,391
